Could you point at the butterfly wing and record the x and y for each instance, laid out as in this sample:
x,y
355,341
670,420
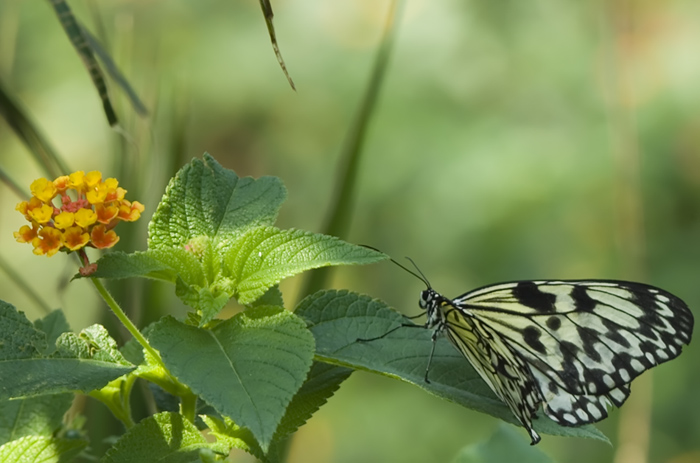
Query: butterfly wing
x,y
583,341
505,372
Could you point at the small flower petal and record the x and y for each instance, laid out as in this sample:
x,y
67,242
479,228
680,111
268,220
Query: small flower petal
x,y
75,238
62,183
77,180
92,179
48,242
43,189
105,214
103,239
130,212
85,217
41,214
26,234
64,220
96,194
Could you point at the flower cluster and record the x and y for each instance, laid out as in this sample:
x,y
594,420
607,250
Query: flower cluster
x,y
85,217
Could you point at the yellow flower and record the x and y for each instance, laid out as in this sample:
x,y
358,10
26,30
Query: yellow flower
x,y
92,179
96,194
41,214
85,217
64,220
77,180
43,189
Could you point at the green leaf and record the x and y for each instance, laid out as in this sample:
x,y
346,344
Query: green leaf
x,y
41,449
138,264
53,325
41,415
18,337
204,199
504,445
248,367
272,296
338,319
83,363
94,342
265,255
164,438
322,382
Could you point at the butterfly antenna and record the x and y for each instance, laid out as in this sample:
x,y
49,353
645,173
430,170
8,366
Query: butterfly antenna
x,y
418,275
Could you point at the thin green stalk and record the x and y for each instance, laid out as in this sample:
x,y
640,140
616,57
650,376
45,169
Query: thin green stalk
x,y
188,406
340,211
114,306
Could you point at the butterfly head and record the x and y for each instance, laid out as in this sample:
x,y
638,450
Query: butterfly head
x,y
428,299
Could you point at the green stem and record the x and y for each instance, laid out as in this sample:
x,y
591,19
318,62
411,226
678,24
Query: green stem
x,y
125,320
188,406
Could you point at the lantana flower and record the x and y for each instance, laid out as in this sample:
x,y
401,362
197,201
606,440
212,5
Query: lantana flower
x,y
89,210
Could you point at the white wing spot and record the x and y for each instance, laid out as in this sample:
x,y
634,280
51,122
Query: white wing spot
x,y
570,418
624,375
594,411
650,357
582,414
592,388
618,395
672,349
662,354
607,379
637,365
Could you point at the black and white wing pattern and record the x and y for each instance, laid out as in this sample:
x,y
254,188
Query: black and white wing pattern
x,y
571,346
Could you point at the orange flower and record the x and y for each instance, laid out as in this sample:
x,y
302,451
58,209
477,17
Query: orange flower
x,y
75,238
103,239
48,242
105,214
62,183
84,218
130,212
26,234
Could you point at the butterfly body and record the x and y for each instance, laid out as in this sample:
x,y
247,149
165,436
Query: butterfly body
x,y
572,347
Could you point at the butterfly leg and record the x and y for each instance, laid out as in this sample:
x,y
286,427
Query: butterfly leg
x,y
403,325
432,351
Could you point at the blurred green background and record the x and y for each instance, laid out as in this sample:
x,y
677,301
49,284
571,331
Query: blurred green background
x,y
511,140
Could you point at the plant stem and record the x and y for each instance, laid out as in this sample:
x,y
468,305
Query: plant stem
x,y
188,406
125,320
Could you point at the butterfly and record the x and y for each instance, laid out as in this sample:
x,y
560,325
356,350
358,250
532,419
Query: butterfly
x,y
570,347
